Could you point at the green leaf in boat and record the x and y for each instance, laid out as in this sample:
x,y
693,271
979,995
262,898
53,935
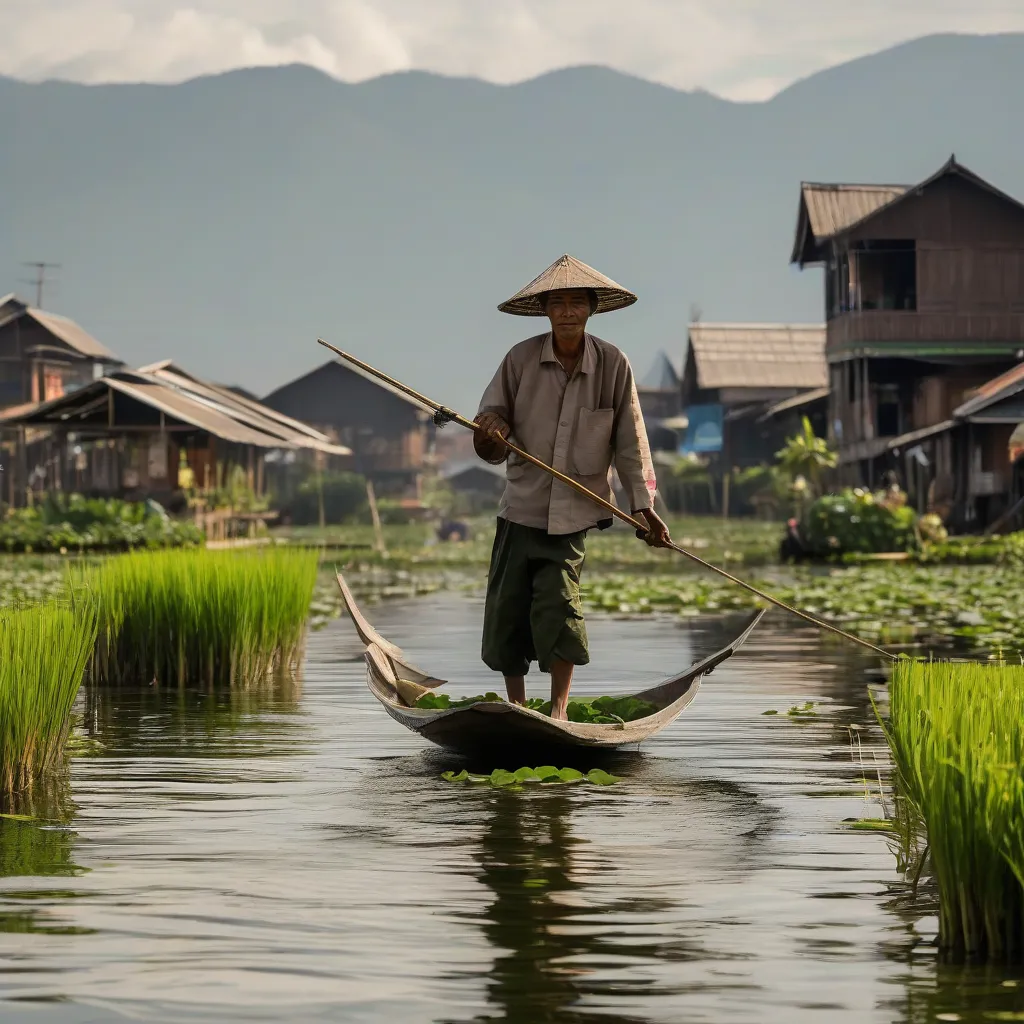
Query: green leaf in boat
x,y
597,711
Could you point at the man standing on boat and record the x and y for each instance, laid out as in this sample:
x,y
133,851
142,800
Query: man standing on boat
x,y
568,398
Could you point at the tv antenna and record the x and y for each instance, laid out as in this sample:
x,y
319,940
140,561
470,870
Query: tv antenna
x,y
40,267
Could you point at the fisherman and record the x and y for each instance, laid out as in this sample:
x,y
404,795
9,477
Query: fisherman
x,y
568,398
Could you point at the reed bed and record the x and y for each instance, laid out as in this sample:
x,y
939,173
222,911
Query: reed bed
x,y
44,651
956,731
199,616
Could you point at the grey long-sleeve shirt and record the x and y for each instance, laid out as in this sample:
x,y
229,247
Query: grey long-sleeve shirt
x,y
578,424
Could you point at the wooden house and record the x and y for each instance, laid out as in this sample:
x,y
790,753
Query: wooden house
x,y
924,303
988,466
389,434
44,356
735,373
152,432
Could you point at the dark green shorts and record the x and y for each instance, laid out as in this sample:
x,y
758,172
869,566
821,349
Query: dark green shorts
x,y
533,610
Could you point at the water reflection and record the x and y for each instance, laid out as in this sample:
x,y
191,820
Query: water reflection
x,y
36,843
272,855
535,867
189,721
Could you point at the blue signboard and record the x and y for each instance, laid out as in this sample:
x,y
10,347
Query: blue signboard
x,y
704,434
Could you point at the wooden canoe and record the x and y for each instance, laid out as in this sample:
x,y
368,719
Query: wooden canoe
x,y
486,725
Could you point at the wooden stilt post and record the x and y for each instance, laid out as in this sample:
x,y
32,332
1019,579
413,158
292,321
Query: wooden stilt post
x,y
378,531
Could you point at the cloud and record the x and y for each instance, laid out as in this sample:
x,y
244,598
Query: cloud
x,y
745,49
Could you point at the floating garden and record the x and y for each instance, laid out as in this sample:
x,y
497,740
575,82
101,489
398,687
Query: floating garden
x,y
72,523
973,608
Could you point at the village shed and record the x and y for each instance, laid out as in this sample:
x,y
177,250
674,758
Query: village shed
x,y
477,485
735,373
134,433
390,434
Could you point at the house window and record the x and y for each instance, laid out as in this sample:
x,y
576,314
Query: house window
x,y
888,419
53,385
883,275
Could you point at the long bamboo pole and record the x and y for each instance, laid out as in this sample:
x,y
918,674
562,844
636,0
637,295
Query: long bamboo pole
x,y
443,415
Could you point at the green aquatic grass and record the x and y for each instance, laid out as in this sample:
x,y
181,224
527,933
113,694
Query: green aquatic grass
x,y
199,616
956,732
44,650
501,778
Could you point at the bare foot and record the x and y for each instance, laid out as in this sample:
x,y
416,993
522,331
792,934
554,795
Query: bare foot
x,y
559,713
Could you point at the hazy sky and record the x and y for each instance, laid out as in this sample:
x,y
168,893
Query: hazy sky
x,y
744,49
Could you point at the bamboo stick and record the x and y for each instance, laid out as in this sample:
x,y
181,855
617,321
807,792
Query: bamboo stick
x,y
443,415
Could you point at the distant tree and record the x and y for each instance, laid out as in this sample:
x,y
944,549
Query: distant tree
x,y
806,456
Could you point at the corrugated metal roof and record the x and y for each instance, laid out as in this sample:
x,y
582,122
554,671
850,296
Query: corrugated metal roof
x,y
995,390
804,398
15,412
921,434
72,335
65,330
248,411
831,208
189,400
759,355
188,410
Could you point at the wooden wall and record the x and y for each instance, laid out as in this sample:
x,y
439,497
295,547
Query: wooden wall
x,y
949,212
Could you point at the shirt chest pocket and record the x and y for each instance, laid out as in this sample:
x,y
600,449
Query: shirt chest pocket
x,y
591,452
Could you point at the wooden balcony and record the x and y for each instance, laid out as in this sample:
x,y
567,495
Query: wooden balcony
x,y
943,329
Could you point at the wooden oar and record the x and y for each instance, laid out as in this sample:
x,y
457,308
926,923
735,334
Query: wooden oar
x,y
443,415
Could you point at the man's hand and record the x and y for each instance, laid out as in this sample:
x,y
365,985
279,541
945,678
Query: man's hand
x,y
657,534
488,439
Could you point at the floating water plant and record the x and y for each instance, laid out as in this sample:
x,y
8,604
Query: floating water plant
x,y
199,616
957,737
44,650
500,778
596,711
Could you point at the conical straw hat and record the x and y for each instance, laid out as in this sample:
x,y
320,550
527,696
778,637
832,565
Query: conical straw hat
x,y
568,272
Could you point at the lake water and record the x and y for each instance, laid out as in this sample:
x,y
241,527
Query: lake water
x,y
294,856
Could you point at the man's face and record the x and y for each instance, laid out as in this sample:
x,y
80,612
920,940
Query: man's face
x,y
568,310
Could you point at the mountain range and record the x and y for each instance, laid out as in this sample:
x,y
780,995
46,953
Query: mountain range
x,y
229,221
